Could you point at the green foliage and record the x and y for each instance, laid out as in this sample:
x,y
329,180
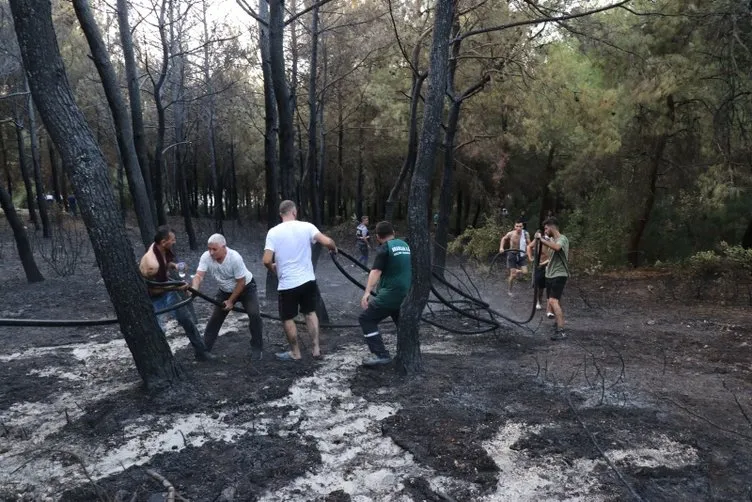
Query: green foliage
x,y
727,259
480,243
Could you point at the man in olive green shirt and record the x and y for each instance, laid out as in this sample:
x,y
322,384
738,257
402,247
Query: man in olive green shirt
x,y
557,272
392,272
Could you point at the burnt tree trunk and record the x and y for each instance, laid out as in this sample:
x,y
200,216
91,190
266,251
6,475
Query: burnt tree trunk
x,y
55,169
408,360
22,239
36,164
87,168
359,195
412,148
6,163
271,154
25,175
134,98
123,126
216,174
282,95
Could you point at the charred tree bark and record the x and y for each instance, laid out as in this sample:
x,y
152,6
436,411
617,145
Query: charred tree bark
x,y
25,175
36,164
359,195
408,360
445,196
87,168
312,167
282,95
271,154
747,239
6,164
123,127
412,148
216,173
134,97
22,239
55,171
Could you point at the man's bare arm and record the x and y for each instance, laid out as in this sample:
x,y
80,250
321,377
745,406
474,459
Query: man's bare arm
x,y
269,261
325,241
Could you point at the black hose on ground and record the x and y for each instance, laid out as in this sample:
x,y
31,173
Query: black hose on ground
x,y
68,323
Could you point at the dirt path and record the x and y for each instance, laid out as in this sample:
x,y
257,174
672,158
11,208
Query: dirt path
x,y
647,397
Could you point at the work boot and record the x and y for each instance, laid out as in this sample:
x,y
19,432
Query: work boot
x,y
375,360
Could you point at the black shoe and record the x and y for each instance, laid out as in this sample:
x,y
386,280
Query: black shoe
x,y
205,356
559,334
256,354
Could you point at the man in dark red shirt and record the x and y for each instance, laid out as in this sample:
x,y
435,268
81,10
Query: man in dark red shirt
x,y
155,266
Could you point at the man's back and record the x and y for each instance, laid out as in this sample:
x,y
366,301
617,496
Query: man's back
x,y
393,259
291,243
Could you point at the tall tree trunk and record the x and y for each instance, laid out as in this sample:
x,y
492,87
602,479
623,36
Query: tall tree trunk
x,y
157,168
123,127
55,171
36,164
282,95
271,153
134,98
87,168
6,163
445,196
25,175
233,209
271,156
313,125
22,239
408,360
359,195
412,148
216,174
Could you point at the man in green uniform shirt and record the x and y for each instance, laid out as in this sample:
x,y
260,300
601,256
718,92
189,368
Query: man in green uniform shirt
x,y
392,272
557,272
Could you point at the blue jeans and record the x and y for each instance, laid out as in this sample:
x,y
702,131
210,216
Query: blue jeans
x,y
182,315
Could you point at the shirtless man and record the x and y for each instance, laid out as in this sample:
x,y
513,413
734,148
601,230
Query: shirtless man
x,y
539,274
517,240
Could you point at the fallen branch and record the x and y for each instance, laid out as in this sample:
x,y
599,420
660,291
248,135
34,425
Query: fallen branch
x,y
618,473
707,420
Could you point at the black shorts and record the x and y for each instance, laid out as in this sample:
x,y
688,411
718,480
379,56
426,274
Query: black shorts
x,y
540,278
555,287
299,299
516,260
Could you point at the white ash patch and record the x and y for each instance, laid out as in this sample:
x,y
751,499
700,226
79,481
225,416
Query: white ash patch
x,y
356,457
523,478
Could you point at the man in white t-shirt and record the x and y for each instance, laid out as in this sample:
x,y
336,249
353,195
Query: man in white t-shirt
x,y
236,284
287,254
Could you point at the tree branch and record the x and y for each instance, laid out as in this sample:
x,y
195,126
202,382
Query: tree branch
x,y
540,20
249,10
306,10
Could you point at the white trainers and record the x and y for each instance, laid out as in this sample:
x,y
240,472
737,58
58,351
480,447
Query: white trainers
x,y
550,315
538,306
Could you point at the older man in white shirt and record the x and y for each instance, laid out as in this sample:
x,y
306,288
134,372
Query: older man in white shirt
x,y
236,284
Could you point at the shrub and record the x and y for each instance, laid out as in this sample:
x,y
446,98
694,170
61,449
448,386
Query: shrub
x,y
480,243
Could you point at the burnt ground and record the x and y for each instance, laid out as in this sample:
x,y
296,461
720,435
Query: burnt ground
x,y
649,398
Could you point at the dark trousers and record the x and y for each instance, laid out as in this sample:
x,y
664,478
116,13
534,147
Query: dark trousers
x,y
249,299
369,321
